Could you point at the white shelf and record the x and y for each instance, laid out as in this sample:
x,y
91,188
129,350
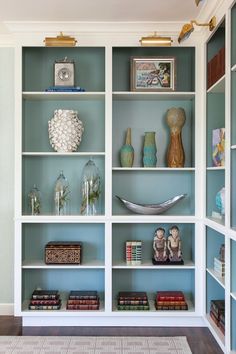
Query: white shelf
x,y
233,67
220,280
233,295
215,329
92,153
138,218
39,264
60,218
233,147
218,87
148,265
153,169
217,224
216,168
63,95
127,95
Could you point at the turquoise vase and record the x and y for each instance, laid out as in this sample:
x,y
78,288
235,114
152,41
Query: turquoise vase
x,y
149,150
127,151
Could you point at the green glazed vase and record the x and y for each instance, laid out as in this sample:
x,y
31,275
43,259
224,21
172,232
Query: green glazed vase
x,y
149,150
127,151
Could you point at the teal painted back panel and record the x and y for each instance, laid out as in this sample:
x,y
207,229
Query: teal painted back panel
x,y
185,65
233,35
153,187
233,270
91,236
214,291
214,241
43,171
145,232
152,281
38,113
215,119
142,116
233,324
73,279
215,181
38,67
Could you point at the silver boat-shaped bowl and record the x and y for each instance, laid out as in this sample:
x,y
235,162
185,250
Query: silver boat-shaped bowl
x,y
151,209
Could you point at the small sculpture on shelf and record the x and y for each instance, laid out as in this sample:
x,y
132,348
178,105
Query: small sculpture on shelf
x,y
35,201
174,246
159,247
61,195
175,118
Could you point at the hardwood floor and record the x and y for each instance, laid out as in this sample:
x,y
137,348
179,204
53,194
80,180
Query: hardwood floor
x,y
200,339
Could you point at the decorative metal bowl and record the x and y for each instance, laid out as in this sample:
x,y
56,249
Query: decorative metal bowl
x,y
151,209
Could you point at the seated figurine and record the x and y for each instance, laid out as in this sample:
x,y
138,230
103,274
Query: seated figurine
x,y
174,246
159,247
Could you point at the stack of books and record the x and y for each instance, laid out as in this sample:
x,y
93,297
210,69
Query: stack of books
x,y
65,89
219,267
83,300
133,252
45,300
217,313
132,300
170,300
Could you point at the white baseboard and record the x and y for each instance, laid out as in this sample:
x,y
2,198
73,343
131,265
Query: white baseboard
x,y
6,309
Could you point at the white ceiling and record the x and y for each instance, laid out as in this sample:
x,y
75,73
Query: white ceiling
x,y
98,10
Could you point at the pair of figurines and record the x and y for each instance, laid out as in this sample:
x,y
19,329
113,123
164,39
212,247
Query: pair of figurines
x,y
167,250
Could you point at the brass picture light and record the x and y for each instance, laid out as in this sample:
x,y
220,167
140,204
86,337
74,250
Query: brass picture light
x,y
155,41
198,2
188,28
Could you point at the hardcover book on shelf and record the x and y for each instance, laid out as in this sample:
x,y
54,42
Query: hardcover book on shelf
x,y
83,300
83,294
132,301
170,300
218,147
45,294
133,251
45,300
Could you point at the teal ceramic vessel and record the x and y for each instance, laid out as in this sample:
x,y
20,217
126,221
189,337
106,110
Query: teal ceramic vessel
x,y
149,150
127,151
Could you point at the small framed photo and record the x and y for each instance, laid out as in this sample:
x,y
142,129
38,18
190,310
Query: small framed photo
x,y
153,73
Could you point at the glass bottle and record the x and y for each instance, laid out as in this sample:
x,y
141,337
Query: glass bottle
x,y
34,197
91,189
61,195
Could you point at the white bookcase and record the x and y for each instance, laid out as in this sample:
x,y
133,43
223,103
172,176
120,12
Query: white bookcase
x,y
107,109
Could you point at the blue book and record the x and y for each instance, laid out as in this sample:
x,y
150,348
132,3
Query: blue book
x,y
65,89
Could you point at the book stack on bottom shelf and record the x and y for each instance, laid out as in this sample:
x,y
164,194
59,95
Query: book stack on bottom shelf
x,y
132,300
83,300
45,300
217,313
133,251
170,300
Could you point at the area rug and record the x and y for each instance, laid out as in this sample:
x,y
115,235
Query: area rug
x,y
93,345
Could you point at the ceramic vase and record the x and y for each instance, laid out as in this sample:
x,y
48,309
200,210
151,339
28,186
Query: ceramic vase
x,y
127,151
149,150
175,118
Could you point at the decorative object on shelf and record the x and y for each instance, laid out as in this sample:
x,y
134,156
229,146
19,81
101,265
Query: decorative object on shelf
x,y
188,28
222,253
175,118
61,195
216,68
155,41
35,201
149,150
132,301
66,252
64,72
159,247
153,73
91,189
151,209
45,300
220,203
133,252
83,300
170,300
60,41
218,147
65,130
127,151
174,246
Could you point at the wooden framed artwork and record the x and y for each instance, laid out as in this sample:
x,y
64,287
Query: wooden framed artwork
x,y
153,73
